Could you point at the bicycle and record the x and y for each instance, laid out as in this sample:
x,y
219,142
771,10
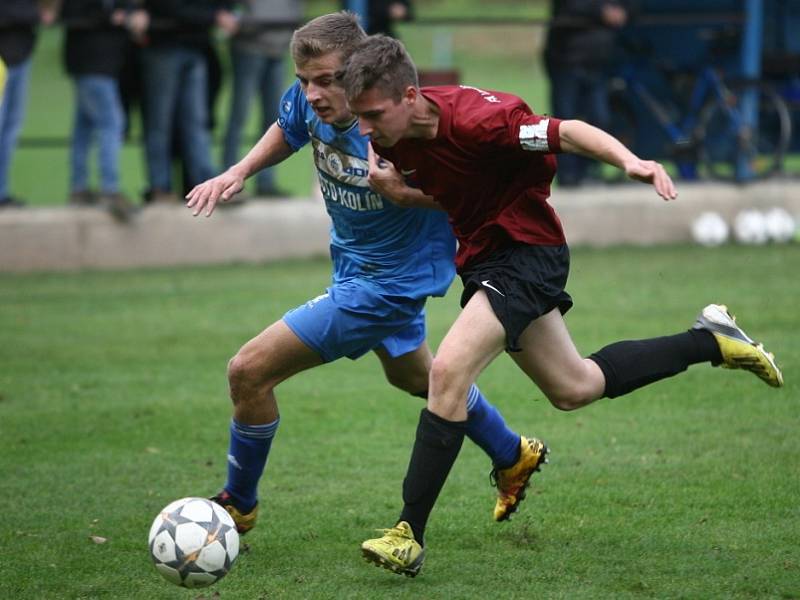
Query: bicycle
x,y
730,130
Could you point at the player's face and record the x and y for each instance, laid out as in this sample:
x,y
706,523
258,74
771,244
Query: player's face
x,y
316,77
381,118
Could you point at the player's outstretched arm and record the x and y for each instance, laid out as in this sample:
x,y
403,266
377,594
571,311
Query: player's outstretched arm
x,y
581,138
384,179
269,150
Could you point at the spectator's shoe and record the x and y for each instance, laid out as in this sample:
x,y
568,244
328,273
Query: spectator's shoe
x,y
244,521
511,482
396,551
82,198
738,350
9,202
118,205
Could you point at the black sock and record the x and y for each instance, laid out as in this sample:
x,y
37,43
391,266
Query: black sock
x,y
435,450
632,364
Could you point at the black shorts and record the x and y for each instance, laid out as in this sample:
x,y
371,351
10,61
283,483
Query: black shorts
x,y
523,283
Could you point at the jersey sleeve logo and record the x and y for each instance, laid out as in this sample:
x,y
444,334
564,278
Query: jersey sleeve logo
x,y
534,137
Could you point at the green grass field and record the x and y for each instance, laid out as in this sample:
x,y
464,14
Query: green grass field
x,y
113,402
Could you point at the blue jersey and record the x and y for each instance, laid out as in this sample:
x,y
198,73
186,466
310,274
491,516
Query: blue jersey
x,y
405,252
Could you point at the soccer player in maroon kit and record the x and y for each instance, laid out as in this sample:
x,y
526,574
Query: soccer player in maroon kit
x,y
488,160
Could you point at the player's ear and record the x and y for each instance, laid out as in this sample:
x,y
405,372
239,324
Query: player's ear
x,y
410,95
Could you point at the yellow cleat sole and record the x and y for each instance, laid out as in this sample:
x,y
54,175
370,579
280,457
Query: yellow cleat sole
x,y
379,561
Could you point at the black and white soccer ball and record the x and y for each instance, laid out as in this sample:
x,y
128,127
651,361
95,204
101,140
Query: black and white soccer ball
x,y
193,542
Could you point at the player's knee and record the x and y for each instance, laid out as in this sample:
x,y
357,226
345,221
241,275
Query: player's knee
x,y
448,386
570,397
395,380
246,375
443,374
411,383
564,402
237,376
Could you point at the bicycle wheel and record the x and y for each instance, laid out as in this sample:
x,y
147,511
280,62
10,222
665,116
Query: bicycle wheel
x,y
724,141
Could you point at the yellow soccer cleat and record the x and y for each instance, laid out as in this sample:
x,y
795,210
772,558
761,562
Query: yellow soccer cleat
x,y
511,482
738,350
397,550
244,521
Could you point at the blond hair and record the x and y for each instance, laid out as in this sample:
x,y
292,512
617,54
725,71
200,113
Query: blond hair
x,y
335,32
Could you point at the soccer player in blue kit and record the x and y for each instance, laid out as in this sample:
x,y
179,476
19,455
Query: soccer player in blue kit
x,y
387,260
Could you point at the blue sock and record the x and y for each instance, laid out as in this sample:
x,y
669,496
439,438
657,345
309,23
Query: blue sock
x,y
487,428
247,457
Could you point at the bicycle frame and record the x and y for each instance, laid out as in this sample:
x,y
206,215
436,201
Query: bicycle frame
x,y
679,132
682,132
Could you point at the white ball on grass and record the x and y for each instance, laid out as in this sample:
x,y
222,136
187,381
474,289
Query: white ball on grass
x,y
193,542
710,229
750,227
780,225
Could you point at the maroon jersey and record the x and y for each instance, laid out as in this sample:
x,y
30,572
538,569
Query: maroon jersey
x,y
490,167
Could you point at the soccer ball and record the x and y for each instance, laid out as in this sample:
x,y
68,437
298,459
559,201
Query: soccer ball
x,y
780,225
193,542
710,229
750,227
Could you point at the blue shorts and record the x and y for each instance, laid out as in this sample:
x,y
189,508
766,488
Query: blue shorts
x,y
352,318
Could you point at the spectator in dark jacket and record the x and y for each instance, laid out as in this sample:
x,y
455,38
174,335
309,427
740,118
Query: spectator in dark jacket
x,y
383,14
175,76
18,22
95,48
580,47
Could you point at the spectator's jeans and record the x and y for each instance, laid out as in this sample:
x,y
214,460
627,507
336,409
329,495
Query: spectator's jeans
x,y
578,93
12,114
176,87
253,74
98,111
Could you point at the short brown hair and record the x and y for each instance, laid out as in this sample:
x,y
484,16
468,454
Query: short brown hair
x,y
335,32
382,62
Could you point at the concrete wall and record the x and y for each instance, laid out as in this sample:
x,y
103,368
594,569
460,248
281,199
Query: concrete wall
x,y
71,238
84,238
634,214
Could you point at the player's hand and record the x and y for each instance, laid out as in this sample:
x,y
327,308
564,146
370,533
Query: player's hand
x,y
650,171
383,178
219,189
